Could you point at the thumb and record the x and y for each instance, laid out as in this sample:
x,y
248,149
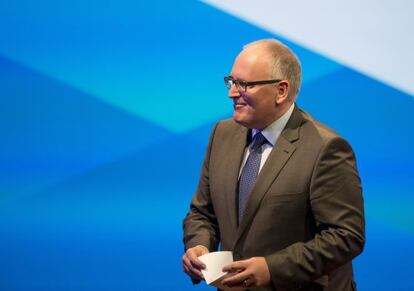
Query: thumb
x,y
203,250
234,267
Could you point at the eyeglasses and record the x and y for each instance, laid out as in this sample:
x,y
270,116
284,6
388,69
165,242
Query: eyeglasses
x,y
229,81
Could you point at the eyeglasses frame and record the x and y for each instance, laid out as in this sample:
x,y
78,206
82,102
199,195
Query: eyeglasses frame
x,y
244,84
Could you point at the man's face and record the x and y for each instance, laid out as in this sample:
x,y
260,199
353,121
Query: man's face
x,y
255,108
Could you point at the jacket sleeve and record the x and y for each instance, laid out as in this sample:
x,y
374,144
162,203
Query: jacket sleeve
x,y
337,206
200,224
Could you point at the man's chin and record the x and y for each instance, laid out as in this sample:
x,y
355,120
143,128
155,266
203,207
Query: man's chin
x,y
236,118
241,121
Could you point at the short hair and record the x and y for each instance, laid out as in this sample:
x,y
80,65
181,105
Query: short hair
x,y
286,64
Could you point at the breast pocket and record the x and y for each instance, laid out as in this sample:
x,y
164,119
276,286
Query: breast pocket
x,y
285,198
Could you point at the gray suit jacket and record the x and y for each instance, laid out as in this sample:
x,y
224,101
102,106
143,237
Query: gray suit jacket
x,y
304,215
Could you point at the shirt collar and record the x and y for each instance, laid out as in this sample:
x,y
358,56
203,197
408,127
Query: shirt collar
x,y
273,131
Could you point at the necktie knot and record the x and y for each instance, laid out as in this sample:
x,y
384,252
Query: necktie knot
x,y
258,141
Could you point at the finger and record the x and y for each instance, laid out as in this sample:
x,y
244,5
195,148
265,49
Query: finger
x,y
249,282
236,279
195,261
246,283
195,274
234,267
192,271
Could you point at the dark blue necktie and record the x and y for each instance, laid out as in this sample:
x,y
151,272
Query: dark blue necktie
x,y
250,171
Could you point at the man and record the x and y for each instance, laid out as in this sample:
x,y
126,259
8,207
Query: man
x,y
278,189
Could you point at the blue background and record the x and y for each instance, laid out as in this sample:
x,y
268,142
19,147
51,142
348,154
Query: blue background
x,y
105,112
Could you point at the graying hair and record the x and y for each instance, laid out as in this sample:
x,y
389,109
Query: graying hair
x,y
286,64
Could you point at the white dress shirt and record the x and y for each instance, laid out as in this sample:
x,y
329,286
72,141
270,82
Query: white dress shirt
x,y
271,133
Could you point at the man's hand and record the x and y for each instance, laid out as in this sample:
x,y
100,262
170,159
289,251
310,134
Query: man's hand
x,y
192,265
253,272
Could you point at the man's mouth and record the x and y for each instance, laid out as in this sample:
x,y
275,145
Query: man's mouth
x,y
239,105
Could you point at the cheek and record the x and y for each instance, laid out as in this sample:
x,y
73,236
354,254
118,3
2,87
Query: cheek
x,y
260,99
261,104
250,101
266,103
245,111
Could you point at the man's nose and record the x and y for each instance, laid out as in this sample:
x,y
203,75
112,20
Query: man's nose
x,y
234,91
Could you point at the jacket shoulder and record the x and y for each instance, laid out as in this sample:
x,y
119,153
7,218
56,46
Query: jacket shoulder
x,y
228,127
317,129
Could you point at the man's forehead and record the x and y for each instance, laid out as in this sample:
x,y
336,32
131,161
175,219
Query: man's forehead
x,y
251,60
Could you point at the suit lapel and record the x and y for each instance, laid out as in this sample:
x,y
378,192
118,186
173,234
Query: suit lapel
x,y
234,157
282,151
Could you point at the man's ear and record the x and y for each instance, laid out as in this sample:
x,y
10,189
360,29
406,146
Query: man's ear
x,y
282,91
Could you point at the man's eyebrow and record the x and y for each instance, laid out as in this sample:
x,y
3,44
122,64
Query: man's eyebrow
x,y
238,79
